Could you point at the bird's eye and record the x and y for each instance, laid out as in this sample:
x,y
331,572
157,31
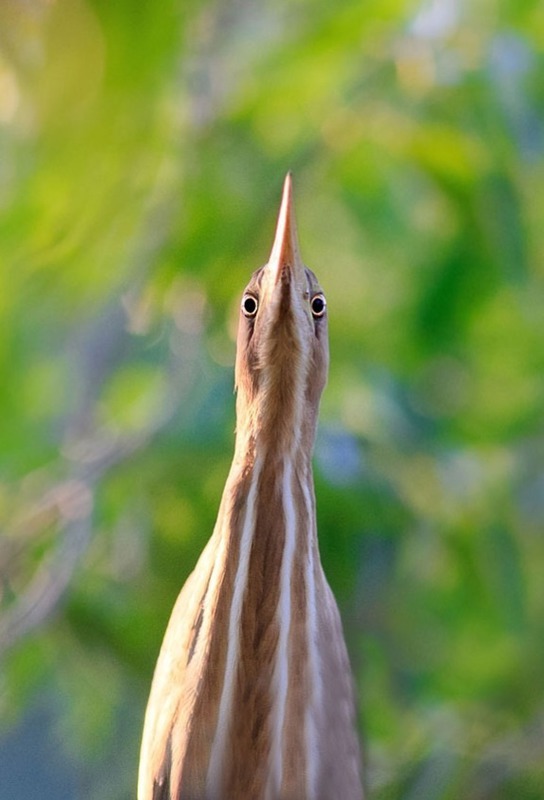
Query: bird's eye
x,y
318,304
250,304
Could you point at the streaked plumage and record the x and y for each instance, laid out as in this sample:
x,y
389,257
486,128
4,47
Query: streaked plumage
x,y
252,694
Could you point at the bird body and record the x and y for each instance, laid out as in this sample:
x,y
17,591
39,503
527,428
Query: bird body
x,y
252,695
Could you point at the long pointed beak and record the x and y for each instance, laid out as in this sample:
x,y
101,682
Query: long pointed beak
x,y
285,264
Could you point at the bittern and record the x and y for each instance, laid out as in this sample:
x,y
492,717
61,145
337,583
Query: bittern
x,y
252,696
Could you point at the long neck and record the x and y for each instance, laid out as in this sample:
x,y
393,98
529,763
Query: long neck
x,y
277,431
263,641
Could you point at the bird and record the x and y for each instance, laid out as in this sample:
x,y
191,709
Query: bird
x,y
253,696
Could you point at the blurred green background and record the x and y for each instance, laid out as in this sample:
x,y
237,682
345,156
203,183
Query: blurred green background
x,y
142,152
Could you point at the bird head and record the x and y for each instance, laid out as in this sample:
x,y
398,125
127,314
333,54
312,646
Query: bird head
x,y
282,346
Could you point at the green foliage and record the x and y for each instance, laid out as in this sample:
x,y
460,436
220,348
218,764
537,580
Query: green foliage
x,y
143,148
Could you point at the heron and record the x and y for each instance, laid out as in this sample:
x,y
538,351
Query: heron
x,y
252,696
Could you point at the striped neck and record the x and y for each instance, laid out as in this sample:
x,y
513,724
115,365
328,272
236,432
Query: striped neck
x,y
270,676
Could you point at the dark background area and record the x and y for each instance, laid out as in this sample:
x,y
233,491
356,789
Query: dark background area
x,y
143,148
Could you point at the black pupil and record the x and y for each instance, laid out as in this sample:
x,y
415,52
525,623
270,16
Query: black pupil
x,y
250,305
318,305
